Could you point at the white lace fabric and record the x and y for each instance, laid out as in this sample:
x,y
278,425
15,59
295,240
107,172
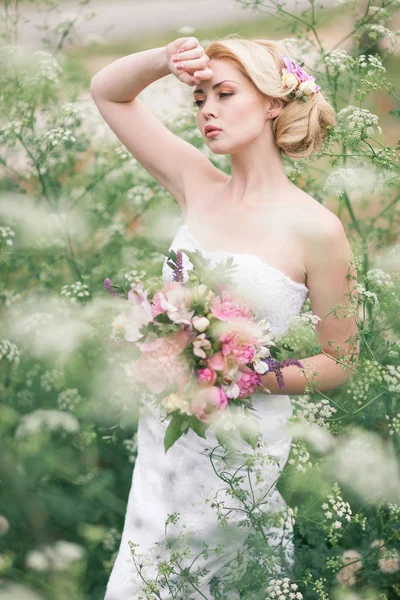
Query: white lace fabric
x,y
180,480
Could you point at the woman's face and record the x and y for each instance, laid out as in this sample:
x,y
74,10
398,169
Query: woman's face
x,y
235,106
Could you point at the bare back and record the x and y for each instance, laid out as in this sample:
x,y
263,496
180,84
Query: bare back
x,y
278,236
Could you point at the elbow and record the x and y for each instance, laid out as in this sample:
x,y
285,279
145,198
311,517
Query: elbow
x,y
94,86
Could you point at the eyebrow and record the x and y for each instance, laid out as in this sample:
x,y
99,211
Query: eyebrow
x,y
198,91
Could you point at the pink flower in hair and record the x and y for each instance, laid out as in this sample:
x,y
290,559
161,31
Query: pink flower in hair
x,y
305,84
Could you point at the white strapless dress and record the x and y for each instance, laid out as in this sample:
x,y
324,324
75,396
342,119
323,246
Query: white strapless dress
x,y
182,480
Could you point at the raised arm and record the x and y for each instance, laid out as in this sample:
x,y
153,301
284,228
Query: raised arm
x,y
168,158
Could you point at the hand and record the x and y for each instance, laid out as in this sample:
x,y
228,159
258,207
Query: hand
x,y
189,53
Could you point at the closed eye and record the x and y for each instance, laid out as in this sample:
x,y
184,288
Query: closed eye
x,y
197,102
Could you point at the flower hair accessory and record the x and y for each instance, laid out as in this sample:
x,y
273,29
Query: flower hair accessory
x,y
293,74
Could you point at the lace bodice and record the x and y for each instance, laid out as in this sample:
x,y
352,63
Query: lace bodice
x,y
273,295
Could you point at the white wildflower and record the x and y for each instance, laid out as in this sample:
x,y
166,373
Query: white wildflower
x,y
338,60
48,67
69,399
10,352
7,234
357,123
75,291
42,419
379,278
139,195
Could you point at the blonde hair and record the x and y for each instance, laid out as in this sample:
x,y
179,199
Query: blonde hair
x,y
301,127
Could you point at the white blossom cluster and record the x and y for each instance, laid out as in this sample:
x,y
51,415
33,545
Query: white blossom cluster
x,y
300,457
341,180
385,154
48,69
379,31
379,278
287,518
9,51
7,234
31,374
57,135
370,62
392,378
365,295
123,153
338,60
69,399
298,47
133,276
10,132
37,321
43,419
74,291
111,539
83,115
139,195
371,372
131,446
10,352
313,412
394,510
358,123
52,379
336,508
282,589
394,424
57,557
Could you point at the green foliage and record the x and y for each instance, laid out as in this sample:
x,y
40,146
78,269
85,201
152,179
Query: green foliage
x,y
76,208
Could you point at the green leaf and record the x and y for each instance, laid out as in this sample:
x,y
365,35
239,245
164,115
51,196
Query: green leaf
x,y
199,427
173,433
251,437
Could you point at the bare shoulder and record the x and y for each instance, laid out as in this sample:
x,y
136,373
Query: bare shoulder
x,y
316,222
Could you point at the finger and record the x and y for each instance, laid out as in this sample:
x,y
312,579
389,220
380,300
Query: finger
x,y
189,43
203,75
193,65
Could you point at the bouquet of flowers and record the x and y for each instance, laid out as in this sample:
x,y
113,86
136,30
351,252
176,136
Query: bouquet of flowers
x,y
196,345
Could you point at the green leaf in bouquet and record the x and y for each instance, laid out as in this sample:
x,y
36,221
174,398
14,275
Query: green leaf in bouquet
x,y
198,427
250,435
176,428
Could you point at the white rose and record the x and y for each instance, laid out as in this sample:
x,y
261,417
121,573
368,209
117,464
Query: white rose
x,y
308,87
289,79
175,402
260,366
200,323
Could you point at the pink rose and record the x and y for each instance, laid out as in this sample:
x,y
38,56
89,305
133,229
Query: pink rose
x,y
232,346
248,382
159,363
208,402
228,307
206,376
217,362
174,300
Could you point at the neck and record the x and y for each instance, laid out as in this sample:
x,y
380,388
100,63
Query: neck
x,y
257,174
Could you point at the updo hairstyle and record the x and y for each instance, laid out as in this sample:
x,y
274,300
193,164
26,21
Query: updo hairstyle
x,y
301,127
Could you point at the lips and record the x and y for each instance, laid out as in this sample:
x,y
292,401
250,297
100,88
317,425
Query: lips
x,y
209,128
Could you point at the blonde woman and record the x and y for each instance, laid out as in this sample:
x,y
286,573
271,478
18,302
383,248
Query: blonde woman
x,y
256,105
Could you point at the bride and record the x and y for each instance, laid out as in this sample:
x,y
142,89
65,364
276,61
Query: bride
x,y
256,105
